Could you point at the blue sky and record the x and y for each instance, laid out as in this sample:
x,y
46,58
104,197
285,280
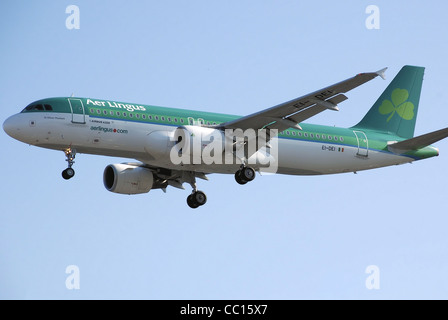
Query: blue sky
x,y
279,237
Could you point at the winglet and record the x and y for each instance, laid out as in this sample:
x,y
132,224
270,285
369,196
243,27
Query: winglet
x,y
381,73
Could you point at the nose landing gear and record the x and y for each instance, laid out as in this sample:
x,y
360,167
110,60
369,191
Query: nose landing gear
x,y
69,172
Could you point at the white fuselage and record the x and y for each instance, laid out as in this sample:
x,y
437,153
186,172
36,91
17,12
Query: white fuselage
x,y
128,139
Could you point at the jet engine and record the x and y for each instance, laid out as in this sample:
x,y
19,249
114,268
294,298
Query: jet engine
x,y
128,179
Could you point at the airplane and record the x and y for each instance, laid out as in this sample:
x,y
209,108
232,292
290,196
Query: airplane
x,y
152,135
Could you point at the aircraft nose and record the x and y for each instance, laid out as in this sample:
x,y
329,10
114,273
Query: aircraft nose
x,y
7,126
11,127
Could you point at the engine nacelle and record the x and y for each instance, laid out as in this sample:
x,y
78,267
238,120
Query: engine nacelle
x,y
127,179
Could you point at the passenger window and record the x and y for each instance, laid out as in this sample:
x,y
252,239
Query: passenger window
x,y
118,113
163,118
144,116
105,112
312,135
124,114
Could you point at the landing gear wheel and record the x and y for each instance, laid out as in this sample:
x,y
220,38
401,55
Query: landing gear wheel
x,y
191,203
200,197
248,174
196,199
238,178
68,173
245,175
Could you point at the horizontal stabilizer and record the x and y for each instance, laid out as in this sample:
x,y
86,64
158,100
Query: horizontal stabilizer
x,y
418,142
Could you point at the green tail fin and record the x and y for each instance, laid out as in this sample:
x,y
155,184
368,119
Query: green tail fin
x,y
396,109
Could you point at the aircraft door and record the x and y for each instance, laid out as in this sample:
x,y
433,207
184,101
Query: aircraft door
x,y
363,144
78,112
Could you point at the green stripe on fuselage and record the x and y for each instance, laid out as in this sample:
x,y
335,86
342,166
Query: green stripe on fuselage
x,y
113,110
176,117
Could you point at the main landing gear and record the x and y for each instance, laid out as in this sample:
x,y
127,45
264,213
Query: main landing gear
x,y
69,172
196,198
244,175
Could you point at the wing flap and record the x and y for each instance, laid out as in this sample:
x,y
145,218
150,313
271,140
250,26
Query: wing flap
x,y
338,99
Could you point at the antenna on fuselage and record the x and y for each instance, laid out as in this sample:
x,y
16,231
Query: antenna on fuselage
x,y
72,95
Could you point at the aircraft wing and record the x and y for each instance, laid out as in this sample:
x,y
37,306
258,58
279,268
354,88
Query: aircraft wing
x,y
291,113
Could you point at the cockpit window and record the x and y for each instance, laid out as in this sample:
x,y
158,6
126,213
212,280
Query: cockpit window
x,y
38,107
35,107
